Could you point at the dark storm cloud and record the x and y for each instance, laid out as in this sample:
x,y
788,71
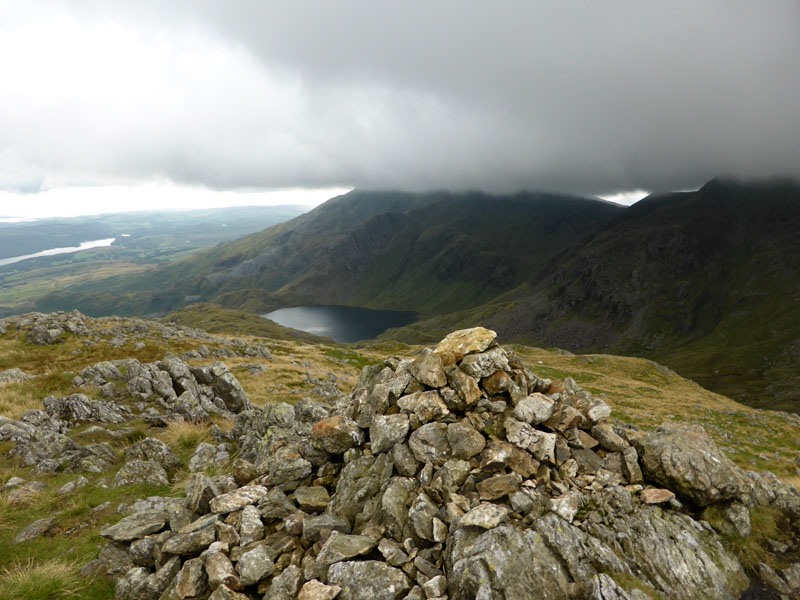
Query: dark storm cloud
x,y
587,97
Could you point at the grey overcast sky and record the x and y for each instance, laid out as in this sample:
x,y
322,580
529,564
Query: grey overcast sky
x,y
118,104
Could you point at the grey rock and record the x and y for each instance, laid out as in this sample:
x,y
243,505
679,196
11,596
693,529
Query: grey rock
x,y
630,466
465,388
141,472
486,363
504,562
34,530
567,505
191,581
238,499
338,434
485,516
275,505
458,344
220,571
136,526
316,590
497,486
609,440
541,444
685,459
435,587
286,470
313,526
207,456
199,493
312,497
421,515
77,408
155,450
404,460
190,543
72,486
368,580
427,406
286,585
251,529
386,431
429,444
340,547
534,409
731,519
254,565
465,442
428,369
227,387
223,592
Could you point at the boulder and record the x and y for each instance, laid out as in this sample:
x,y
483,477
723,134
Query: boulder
x,y
368,580
141,472
155,450
136,526
386,431
683,458
458,344
428,369
337,434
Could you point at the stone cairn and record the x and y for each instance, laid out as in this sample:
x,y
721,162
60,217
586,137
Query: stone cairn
x,y
458,474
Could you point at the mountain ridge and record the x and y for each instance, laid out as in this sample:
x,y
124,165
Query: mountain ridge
x,y
662,278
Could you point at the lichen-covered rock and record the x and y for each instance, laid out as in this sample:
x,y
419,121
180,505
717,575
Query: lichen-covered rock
x,y
684,459
207,456
341,547
504,562
458,344
428,369
386,431
141,472
316,590
238,499
338,434
457,475
77,408
429,444
36,529
254,565
155,450
286,585
368,580
136,526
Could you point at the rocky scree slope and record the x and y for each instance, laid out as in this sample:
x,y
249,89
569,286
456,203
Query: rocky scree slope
x,y
458,474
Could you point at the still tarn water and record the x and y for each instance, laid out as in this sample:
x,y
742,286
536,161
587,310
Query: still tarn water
x,y
341,323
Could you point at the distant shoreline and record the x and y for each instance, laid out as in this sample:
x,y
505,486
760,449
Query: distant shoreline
x,y
54,251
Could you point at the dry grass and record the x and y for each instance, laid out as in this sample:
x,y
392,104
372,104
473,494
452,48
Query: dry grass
x,y
41,580
18,497
17,398
185,436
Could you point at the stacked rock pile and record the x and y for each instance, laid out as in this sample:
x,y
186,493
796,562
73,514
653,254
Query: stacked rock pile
x,y
458,474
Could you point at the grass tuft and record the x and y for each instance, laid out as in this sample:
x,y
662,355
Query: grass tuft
x,y
751,550
184,436
41,580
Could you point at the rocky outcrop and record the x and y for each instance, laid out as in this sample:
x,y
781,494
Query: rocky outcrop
x,y
458,474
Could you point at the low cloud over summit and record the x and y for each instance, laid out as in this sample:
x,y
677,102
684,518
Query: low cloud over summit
x,y
581,97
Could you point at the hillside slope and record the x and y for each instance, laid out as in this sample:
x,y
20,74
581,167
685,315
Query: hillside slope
x,y
135,445
428,253
707,282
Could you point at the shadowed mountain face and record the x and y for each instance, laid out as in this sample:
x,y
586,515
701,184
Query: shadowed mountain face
x,y
704,281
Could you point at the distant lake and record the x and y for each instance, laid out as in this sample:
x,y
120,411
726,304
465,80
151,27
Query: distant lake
x,y
54,251
342,323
